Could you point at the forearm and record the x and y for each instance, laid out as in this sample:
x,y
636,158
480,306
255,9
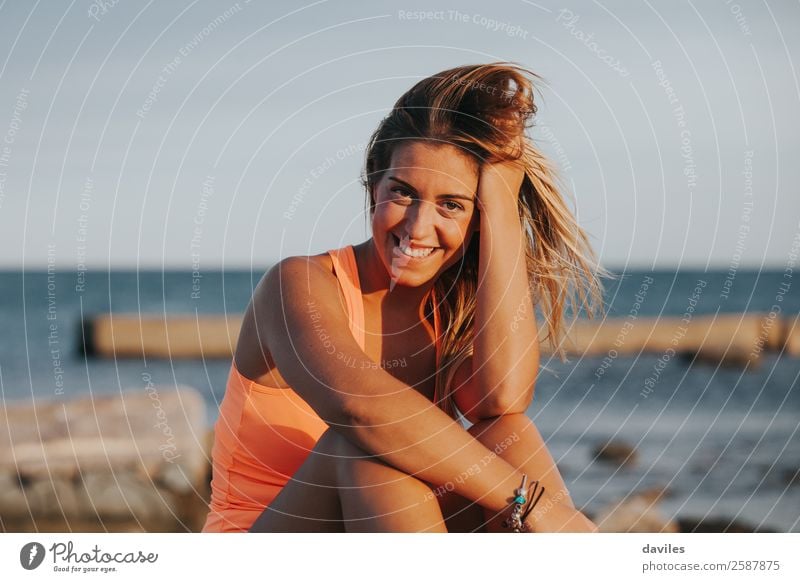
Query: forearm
x,y
407,431
506,348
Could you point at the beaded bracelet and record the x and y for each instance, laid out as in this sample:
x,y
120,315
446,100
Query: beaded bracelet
x,y
517,519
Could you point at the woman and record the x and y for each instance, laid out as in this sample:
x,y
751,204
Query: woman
x,y
354,367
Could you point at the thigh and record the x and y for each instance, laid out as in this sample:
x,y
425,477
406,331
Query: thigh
x,y
309,502
377,497
460,514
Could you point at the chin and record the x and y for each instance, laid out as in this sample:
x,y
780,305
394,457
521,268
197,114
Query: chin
x,y
409,276
411,282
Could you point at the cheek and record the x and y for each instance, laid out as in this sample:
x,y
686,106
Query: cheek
x,y
386,215
457,231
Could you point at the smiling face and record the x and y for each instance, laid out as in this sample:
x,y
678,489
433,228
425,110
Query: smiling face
x,y
425,211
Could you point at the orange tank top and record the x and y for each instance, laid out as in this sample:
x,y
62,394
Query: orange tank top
x,y
264,433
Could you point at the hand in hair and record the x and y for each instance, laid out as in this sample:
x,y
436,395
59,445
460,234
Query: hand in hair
x,y
500,181
503,178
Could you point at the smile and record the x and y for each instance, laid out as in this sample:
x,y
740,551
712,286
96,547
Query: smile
x,y
416,253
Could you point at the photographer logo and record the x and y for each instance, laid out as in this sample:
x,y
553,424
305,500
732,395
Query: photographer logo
x,y
31,555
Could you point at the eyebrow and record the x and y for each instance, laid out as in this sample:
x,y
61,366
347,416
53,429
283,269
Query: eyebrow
x,y
410,187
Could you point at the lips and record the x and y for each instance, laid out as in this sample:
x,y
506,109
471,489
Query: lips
x,y
404,248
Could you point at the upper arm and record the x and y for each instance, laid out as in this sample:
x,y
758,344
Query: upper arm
x,y
465,394
299,316
476,402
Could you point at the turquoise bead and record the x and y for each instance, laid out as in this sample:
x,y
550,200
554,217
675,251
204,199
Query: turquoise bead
x,y
520,499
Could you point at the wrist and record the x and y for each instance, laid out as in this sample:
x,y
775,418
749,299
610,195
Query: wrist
x,y
518,517
501,480
498,204
500,184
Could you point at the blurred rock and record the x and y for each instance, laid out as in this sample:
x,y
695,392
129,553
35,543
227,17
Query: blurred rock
x,y
124,495
133,461
54,497
637,513
791,477
617,452
12,499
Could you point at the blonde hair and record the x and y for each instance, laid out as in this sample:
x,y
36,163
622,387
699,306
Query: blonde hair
x,y
483,110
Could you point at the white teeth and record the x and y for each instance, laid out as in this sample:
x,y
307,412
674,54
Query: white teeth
x,y
405,248
419,253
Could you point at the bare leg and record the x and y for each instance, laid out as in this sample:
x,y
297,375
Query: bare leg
x,y
376,497
340,488
309,502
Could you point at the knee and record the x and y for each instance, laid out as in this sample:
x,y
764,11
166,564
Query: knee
x,y
334,453
351,463
329,443
338,452
339,448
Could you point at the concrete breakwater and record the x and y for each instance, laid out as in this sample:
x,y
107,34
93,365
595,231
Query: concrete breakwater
x,y
730,338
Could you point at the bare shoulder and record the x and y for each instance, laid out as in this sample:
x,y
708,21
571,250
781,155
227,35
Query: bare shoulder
x,y
313,271
282,295
294,284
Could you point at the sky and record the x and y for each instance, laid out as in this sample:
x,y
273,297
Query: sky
x,y
207,135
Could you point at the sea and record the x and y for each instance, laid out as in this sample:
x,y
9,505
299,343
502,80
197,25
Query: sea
x,y
721,442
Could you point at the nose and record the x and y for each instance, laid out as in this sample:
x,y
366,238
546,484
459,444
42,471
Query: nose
x,y
421,220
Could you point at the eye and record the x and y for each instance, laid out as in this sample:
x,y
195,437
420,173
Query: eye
x,y
455,206
402,193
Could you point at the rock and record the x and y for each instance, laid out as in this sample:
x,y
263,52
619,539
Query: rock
x,y
616,452
791,477
12,498
637,513
127,496
66,457
55,497
173,478
131,461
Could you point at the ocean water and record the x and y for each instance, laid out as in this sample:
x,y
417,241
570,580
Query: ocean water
x,y
723,442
